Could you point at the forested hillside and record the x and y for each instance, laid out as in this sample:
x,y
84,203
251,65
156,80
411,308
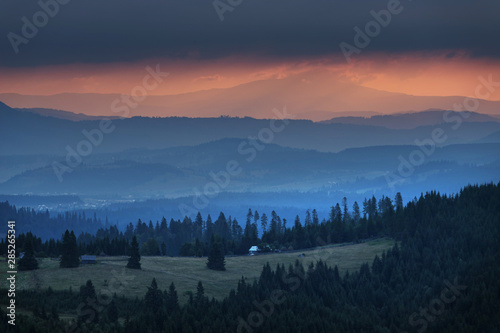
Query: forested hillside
x,y
189,237
442,277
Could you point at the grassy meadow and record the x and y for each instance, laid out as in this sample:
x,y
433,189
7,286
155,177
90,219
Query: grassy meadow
x,y
110,274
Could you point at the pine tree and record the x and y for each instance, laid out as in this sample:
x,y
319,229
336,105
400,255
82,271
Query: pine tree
x,y
337,223
308,219
315,219
198,226
88,296
250,216
263,220
200,293
256,217
135,257
209,229
236,230
87,292
356,215
69,251
153,298
398,201
216,259
28,262
346,210
172,299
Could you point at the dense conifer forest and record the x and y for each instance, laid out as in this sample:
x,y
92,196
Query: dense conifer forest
x,y
192,237
441,276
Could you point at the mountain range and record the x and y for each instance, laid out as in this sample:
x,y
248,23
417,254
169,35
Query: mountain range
x,y
152,166
312,95
151,157
31,133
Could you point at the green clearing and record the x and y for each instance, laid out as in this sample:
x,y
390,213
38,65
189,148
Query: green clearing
x,y
185,272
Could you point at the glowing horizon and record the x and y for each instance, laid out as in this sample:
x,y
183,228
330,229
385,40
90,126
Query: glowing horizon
x,y
410,74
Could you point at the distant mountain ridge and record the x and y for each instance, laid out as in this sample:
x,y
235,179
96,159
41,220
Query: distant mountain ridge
x,y
177,171
144,158
314,96
29,133
413,119
63,114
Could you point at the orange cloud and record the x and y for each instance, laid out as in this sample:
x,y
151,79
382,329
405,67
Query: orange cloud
x,y
444,74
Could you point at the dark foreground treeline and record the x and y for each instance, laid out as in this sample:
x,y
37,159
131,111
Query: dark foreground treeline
x,y
443,277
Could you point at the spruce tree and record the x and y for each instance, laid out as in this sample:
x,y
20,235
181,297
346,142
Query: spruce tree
x,y
88,296
69,251
135,257
200,292
154,297
87,292
216,259
28,262
172,299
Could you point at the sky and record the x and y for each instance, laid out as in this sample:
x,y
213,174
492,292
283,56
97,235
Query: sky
x,y
436,48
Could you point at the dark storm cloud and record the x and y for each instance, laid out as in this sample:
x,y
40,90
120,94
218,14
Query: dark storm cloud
x,y
100,31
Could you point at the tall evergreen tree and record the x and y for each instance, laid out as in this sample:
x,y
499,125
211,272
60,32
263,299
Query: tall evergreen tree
x,y
135,257
69,251
398,201
356,215
198,226
216,260
209,229
87,292
200,293
345,210
236,230
172,299
88,296
256,217
249,216
28,262
153,298
315,219
308,219
263,220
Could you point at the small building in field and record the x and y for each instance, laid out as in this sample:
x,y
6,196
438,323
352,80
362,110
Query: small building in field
x,y
87,259
253,250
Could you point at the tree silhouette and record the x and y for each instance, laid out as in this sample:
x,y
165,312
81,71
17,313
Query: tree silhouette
x,y
135,257
200,293
216,259
28,262
88,296
69,251
172,299
154,297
